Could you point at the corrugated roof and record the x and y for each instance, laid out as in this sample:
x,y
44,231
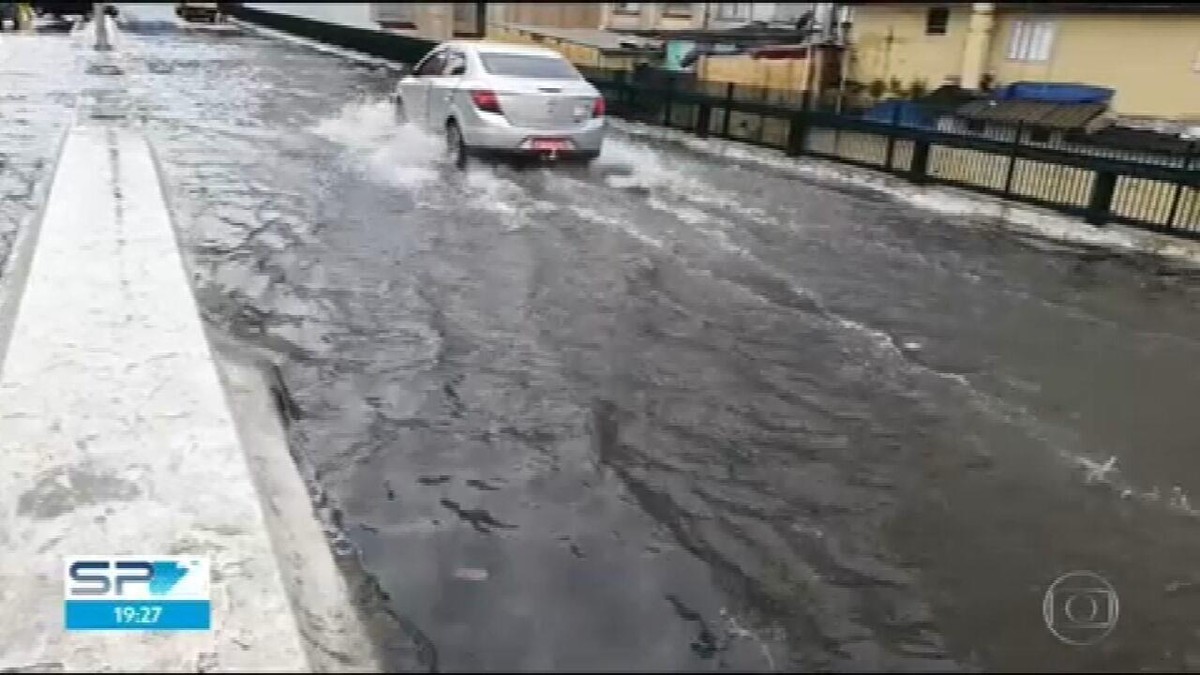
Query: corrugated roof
x,y
1037,113
600,39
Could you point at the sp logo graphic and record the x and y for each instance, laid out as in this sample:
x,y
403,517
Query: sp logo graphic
x,y
115,577
137,592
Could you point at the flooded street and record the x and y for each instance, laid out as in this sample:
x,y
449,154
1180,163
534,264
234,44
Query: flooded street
x,y
676,413
36,105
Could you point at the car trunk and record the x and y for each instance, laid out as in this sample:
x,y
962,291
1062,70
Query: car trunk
x,y
546,104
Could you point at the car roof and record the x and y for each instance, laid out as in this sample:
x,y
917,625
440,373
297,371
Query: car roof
x,y
492,47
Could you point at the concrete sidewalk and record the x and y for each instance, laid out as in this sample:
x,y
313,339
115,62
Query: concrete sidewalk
x,y
114,431
117,436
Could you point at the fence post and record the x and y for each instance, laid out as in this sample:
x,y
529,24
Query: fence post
x,y
625,81
728,110
667,102
891,140
630,93
1175,199
703,118
1178,196
918,172
1012,158
797,133
1100,204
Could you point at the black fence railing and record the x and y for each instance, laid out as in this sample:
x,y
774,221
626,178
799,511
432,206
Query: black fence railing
x,y
1144,186
1147,187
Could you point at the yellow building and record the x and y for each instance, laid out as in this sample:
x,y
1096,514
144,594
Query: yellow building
x,y
430,20
549,14
1148,54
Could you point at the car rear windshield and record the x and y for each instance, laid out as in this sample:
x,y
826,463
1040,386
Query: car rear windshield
x,y
525,65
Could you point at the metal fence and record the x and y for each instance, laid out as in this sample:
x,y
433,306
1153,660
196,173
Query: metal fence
x,y
1149,188
1142,187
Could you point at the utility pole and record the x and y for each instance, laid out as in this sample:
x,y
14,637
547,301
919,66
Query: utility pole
x,y
99,16
481,19
842,16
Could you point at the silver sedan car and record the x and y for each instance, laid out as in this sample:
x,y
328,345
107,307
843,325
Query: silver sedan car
x,y
503,99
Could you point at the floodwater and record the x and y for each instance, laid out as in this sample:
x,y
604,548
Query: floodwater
x,y
677,413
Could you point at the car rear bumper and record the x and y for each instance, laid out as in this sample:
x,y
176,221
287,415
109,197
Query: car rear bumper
x,y
586,140
526,156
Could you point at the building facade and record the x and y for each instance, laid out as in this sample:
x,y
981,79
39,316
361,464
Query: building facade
x,y
704,16
586,15
431,20
1148,54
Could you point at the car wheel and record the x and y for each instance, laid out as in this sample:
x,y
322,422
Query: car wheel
x,y
456,148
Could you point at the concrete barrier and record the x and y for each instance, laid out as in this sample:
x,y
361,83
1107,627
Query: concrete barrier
x,y
398,48
117,436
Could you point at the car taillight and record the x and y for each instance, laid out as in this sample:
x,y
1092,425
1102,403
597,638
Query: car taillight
x,y
485,100
598,107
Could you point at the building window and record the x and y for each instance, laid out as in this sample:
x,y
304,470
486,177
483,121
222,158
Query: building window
x,y
1031,41
936,20
732,11
677,9
627,7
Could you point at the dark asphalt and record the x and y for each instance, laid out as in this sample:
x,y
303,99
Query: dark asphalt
x,y
672,413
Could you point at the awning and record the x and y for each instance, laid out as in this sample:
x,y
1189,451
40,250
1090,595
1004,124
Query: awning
x,y
780,52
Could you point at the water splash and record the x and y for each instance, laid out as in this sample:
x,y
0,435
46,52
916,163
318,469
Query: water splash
x,y
398,154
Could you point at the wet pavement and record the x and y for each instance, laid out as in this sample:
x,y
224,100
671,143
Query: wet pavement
x,y
671,413
36,105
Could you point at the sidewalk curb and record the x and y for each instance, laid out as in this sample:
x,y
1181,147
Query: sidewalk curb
x,y
330,625
110,377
